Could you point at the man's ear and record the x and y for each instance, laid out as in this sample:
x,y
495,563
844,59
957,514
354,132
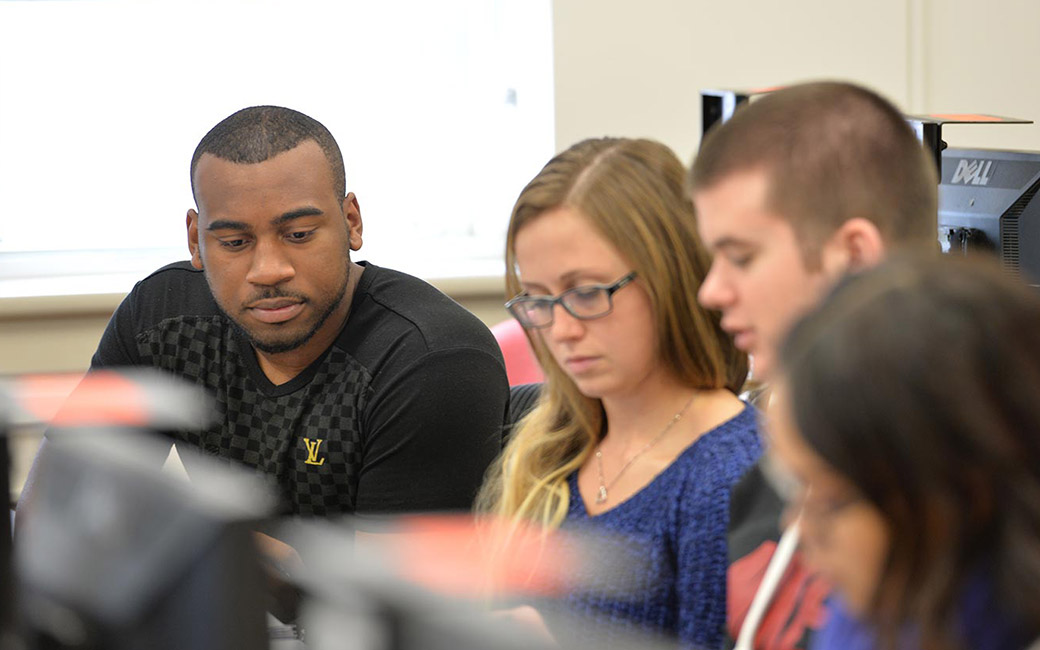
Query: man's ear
x,y
855,246
352,214
193,239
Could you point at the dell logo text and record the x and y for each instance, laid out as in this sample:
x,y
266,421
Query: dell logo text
x,y
974,172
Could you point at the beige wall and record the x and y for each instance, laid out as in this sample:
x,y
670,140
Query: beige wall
x,y
982,57
636,68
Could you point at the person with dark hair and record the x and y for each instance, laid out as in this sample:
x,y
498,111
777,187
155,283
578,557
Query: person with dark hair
x,y
638,433
800,187
904,425
355,389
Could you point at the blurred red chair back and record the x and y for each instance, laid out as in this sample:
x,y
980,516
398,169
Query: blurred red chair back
x,y
521,365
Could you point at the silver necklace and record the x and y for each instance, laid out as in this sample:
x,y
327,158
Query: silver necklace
x,y
601,494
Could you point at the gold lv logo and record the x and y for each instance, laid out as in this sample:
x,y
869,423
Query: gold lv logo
x,y
312,451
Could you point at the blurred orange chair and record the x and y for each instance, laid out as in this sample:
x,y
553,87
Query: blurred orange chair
x,y
521,365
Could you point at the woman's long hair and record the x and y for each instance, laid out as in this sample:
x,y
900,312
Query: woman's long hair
x,y
919,382
633,194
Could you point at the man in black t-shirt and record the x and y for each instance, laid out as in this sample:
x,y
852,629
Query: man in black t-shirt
x,y
354,389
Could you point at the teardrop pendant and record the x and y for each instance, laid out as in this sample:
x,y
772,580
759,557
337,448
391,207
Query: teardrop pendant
x,y
601,496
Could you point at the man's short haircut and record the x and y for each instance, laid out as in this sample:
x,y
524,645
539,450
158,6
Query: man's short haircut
x,y
832,151
258,133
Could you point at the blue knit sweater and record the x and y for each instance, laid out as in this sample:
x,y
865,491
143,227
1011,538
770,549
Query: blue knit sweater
x,y
673,532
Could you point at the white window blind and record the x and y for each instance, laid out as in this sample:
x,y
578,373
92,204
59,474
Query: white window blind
x,y
443,111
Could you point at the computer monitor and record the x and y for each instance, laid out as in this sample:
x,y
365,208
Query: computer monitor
x,y
988,202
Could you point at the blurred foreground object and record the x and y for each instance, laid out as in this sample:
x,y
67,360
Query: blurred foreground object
x,y
133,397
442,581
476,558
117,554
362,601
8,604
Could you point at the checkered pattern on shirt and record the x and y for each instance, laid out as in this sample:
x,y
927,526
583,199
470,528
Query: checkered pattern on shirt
x,y
267,432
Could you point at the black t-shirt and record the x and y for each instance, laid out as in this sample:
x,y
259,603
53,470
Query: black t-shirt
x,y
403,413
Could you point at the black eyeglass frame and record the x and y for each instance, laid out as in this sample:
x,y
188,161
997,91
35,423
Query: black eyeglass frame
x,y
551,302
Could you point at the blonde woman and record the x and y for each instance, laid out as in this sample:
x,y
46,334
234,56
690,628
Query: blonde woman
x,y
638,430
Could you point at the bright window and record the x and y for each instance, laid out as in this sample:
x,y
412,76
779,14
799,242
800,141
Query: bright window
x,y
443,111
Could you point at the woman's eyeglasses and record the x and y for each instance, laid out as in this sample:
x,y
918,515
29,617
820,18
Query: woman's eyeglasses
x,y
584,303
